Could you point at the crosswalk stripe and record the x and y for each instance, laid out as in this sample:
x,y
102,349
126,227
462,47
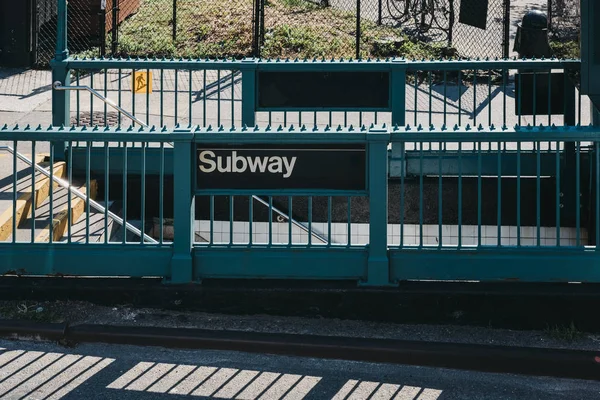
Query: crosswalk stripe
x,y
430,394
171,379
24,373
71,377
407,393
345,390
302,388
130,375
192,380
19,363
151,376
258,386
236,384
280,387
80,379
385,392
214,382
42,377
363,391
9,356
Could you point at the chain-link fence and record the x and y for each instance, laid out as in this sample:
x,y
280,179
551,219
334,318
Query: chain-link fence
x,y
279,28
564,23
84,32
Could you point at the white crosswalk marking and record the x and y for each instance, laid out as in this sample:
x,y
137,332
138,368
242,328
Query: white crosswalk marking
x,y
151,376
345,390
258,386
130,375
302,388
19,363
214,382
193,380
363,391
407,393
9,356
42,377
236,384
80,379
385,392
24,373
280,387
429,394
171,379
69,379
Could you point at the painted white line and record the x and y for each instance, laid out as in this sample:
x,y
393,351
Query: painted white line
x,y
214,382
39,379
9,356
130,375
302,388
407,393
24,373
385,392
430,394
19,363
235,385
80,379
193,380
64,378
280,387
258,386
363,391
171,379
151,376
345,390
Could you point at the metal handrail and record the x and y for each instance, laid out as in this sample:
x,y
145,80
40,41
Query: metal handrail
x,y
79,194
292,220
59,86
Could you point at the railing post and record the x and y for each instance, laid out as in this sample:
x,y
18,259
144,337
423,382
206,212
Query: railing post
x,y
184,207
61,114
378,269
248,69
398,99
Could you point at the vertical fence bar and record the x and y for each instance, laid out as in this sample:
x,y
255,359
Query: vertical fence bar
x,y
174,34
124,175
33,194
378,262
88,156
119,94
558,193
70,178
290,216
578,193
519,193
597,148
231,220
91,100
51,193
162,92
421,194
106,189
212,218
148,96
61,104
349,222
250,219
499,194
105,95
218,97
190,100
538,215
479,200
161,193
402,188
270,221
14,193
133,97
175,92
143,193
329,221
460,182
358,29
310,203
440,196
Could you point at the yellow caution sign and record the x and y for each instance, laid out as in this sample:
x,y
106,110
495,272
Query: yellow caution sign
x,y
142,82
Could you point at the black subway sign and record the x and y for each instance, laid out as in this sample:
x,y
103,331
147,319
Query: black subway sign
x,y
285,167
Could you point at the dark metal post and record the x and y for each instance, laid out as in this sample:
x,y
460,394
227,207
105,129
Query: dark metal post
x,y
506,44
61,114
174,20
102,31
451,23
379,12
357,29
256,38
262,22
115,27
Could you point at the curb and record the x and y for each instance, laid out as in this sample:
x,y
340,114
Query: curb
x,y
574,364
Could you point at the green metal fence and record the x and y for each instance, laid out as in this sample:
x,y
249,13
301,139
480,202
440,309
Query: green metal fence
x,y
528,209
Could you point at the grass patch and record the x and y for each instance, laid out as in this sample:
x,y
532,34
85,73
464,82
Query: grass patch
x,y
26,310
568,333
293,28
566,50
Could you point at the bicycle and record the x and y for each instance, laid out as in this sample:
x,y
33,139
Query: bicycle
x,y
425,14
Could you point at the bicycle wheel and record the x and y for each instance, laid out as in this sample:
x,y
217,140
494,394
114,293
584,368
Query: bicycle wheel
x,y
398,10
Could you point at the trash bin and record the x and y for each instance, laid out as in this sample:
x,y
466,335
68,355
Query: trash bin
x,y
531,40
17,27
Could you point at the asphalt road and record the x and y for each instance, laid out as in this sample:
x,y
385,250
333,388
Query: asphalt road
x,y
32,370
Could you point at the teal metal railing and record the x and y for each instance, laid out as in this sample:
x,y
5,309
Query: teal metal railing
x,y
527,209
224,92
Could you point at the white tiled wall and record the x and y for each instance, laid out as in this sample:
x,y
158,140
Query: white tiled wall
x,y
360,234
